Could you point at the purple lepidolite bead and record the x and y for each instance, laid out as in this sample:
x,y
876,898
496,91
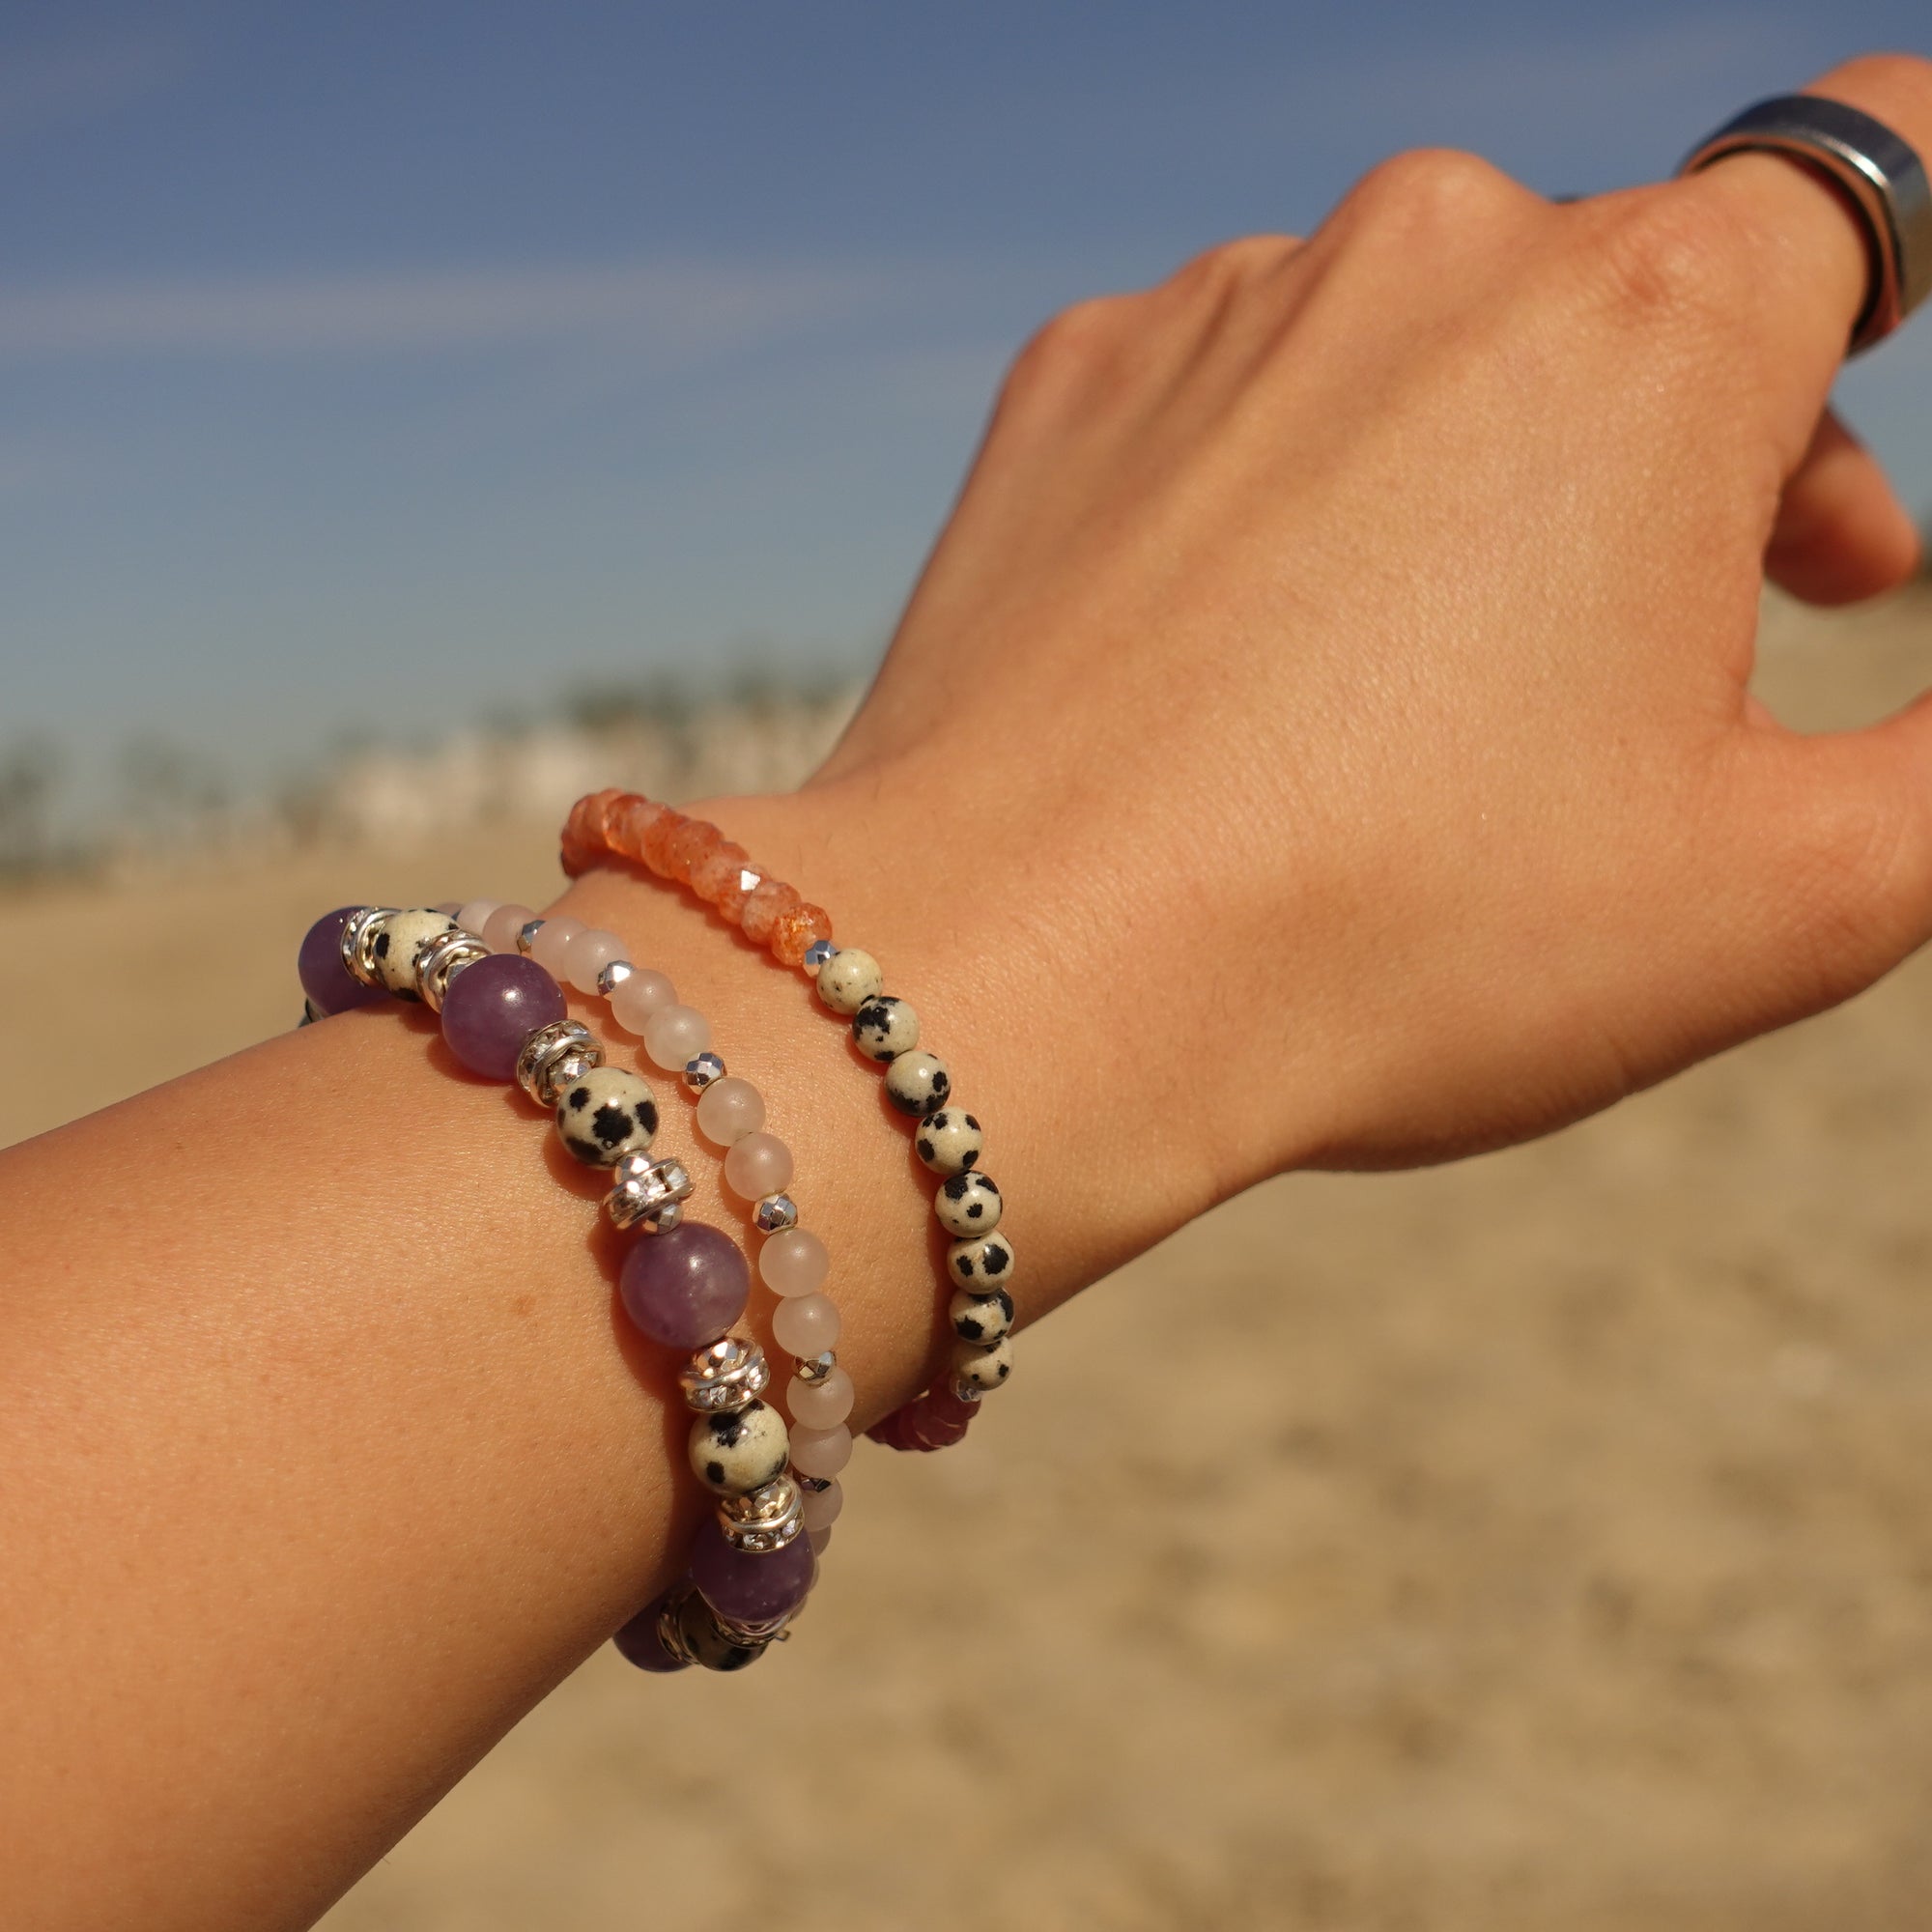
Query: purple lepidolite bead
x,y
750,1589
491,1006
684,1287
638,1641
325,979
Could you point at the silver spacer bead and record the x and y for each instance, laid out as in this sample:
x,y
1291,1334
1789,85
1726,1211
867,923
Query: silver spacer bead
x,y
814,1368
765,1519
311,1013
967,1391
645,1191
527,934
360,932
724,1377
775,1211
609,978
442,960
814,1485
699,1072
817,953
553,1055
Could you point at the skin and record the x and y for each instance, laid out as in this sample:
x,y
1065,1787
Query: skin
x,y
1320,736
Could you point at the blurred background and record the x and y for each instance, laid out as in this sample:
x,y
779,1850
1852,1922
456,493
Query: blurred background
x,y
410,417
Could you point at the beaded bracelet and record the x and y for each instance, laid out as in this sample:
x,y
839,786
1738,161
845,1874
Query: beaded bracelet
x,y
753,1563
968,1204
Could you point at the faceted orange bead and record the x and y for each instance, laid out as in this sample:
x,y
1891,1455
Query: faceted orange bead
x,y
717,873
691,842
630,822
657,842
762,905
796,928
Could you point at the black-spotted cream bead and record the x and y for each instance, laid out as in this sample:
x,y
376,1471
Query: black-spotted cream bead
x,y
884,1028
607,1113
848,980
980,1368
918,1083
403,935
968,1204
980,1317
736,1453
949,1142
984,1263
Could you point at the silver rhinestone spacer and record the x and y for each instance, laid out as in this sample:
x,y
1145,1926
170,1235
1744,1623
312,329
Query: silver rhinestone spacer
x,y
814,1368
699,1072
553,1055
645,1190
766,1519
360,932
816,954
775,1211
609,978
724,1377
527,934
442,960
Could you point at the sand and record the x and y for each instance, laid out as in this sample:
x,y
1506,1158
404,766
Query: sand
x,y
1581,1578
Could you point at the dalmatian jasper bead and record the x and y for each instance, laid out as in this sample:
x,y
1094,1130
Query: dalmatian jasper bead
x,y
735,1454
918,1083
968,1204
947,1142
848,980
606,1114
403,935
985,1262
980,1317
884,1028
983,1368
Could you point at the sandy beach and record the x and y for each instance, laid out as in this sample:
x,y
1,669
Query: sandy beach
x,y
1584,1580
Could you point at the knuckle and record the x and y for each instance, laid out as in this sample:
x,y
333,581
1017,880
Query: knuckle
x,y
1229,265
1674,260
1064,351
1846,890
1428,191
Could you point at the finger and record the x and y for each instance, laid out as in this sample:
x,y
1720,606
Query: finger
x,y
1805,243
1841,533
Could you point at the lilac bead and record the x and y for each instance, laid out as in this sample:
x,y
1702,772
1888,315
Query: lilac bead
x,y
744,1588
686,1287
325,979
491,1006
638,1641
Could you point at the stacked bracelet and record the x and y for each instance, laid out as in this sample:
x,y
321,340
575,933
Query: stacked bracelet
x,y
968,1204
504,1015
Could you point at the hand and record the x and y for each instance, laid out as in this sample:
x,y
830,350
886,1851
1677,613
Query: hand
x,y
1337,661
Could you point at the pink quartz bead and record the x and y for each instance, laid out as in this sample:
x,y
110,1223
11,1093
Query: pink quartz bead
x,y
818,1539
673,1035
794,1263
821,1404
590,951
730,1109
820,1452
820,1507
551,948
641,995
501,929
471,916
760,1164
806,1325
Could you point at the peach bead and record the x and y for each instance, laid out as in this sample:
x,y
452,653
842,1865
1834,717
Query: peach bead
x,y
716,875
590,951
472,914
641,995
806,1325
820,1452
675,1035
688,845
762,905
501,929
730,1109
821,1404
759,1164
551,948
630,824
796,930
657,842
820,1508
794,1263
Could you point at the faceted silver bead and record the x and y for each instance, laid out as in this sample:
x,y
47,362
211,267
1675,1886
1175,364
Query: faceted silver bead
x,y
726,1376
765,1519
817,953
966,1391
609,978
553,1055
645,1192
701,1070
360,932
814,1368
775,1211
814,1485
442,960
527,934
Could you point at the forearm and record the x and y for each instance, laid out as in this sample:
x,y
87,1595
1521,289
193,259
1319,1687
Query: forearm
x,y
330,1451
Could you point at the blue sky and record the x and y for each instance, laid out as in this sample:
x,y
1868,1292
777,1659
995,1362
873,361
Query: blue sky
x,y
375,367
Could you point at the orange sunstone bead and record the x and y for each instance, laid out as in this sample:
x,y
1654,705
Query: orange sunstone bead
x,y
717,873
657,843
690,843
796,928
762,905
630,824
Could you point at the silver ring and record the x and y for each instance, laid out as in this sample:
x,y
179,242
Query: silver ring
x,y
1880,173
